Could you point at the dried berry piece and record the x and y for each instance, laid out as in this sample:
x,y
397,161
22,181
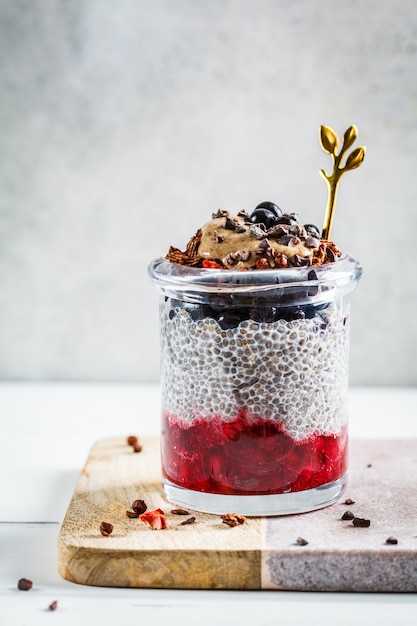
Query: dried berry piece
x,y
190,520
155,519
348,515
106,529
349,501
53,606
139,507
392,541
233,519
301,541
180,512
24,584
361,522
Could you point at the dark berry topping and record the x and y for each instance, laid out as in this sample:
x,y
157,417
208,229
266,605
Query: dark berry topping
x,y
263,216
287,218
270,206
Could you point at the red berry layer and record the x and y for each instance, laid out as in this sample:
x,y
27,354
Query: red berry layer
x,y
246,457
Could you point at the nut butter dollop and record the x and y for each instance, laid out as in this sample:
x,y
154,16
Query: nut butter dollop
x,y
245,244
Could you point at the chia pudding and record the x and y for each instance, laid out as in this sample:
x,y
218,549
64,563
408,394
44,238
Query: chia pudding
x,y
254,319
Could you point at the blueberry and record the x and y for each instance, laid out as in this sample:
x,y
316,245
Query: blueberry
x,y
312,230
287,218
263,216
270,206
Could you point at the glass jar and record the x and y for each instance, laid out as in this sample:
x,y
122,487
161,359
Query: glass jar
x,y
254,379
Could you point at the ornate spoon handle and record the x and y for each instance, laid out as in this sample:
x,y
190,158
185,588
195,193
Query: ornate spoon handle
x,y
330,142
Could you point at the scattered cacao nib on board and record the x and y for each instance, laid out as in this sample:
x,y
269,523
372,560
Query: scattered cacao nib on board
x,y
348,515
392,541
53,606
233,519
349,501
301,541
361,522
155,519
139,507
24,584
180,512
132,514
106,529
189,520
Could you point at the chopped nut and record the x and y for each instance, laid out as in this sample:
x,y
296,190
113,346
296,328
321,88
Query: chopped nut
x,y
361,522
53,606
24,584
189,520
106,529
233,519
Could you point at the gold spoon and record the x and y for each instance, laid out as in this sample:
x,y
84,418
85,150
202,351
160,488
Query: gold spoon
x,y
330,142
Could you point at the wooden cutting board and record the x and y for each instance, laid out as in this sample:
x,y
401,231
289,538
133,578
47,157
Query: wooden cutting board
x,y
262,553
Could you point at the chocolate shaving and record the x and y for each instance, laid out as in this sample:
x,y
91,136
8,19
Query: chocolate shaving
x,y
192,245
190,256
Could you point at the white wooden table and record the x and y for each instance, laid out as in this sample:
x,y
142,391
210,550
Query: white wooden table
x,y
46,431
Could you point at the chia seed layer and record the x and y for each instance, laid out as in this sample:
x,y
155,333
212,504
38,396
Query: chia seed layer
x,y
292,373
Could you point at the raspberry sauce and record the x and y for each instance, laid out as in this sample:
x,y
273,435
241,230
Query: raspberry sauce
x,y
246,457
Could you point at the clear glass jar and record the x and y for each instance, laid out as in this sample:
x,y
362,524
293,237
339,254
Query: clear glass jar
x,y
254,378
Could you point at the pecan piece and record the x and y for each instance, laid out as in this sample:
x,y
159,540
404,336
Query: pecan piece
x,y
233,519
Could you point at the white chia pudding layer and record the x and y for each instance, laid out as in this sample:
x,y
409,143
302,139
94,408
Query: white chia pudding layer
x,y
294,373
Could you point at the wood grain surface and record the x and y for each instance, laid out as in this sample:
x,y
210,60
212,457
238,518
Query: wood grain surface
x,y
263,553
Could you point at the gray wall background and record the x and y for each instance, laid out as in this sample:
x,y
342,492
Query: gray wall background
x,y
123,125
